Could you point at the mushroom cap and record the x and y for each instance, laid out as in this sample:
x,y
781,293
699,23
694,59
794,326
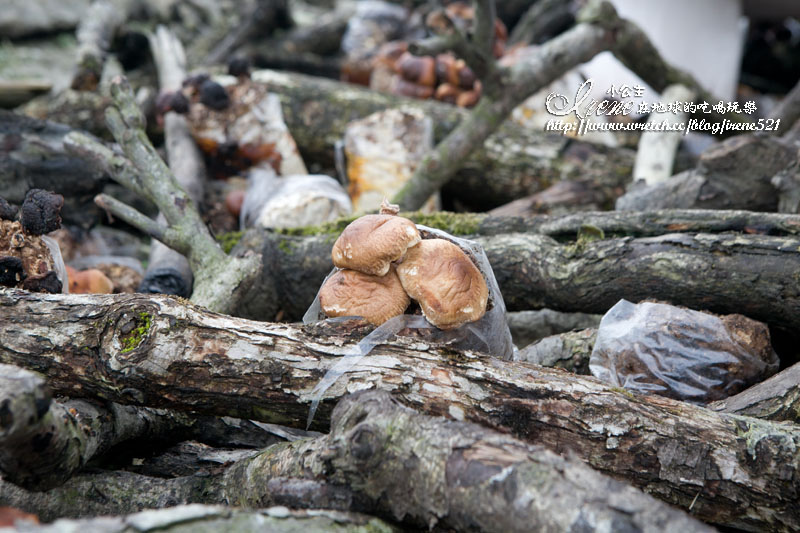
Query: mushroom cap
x,y
352,293
448,286
370,243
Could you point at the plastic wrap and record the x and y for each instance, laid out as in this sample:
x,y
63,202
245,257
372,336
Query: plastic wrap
x,y
374,23
291,201
489,335
58,262
688,355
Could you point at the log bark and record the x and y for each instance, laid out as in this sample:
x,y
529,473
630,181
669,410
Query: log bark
x,y
530,326
464,476
216,518
44,442
107,493
461,476
520,161
732,470
733,175
722,273
777,398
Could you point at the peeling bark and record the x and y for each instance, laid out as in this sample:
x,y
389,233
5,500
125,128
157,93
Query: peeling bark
x,y
733,470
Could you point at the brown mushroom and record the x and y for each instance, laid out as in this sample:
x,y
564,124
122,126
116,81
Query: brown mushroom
x,y
375,298
469,98
418,69
448,286
403,87
447,92
90,281
370,243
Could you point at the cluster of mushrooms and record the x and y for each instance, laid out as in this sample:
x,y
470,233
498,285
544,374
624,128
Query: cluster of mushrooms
x,y
443,77
26,261
385,264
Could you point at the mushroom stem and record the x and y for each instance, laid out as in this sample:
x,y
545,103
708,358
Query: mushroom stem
x,y
388,208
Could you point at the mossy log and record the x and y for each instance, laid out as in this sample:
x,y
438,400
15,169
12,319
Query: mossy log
x,y
519,161
723,273
731,470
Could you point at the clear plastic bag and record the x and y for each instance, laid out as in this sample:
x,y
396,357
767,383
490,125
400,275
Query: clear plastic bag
x,y
656,348
489,334
275,201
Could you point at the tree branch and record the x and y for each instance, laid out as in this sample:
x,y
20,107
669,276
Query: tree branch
x,y
136,219
219,279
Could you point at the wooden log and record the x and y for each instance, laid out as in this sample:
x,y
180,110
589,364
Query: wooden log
x,y
530,326
158,351
44,442
459,476
735,174
218,518
777,398
374,449
520,161
722,273
569,350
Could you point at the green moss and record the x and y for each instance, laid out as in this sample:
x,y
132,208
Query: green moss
x,y
229,240
132,340
626,392
334,227
589,233
286,246
453,223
